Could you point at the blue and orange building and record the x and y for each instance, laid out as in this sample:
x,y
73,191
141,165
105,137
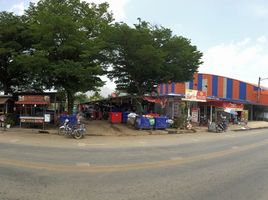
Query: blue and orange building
x,y
221,92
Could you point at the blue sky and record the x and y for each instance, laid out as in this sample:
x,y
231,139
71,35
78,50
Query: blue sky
x,y
233,35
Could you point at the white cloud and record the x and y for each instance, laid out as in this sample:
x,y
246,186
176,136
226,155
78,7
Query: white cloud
x,y
262,39
18,8
116,6
260,10
245,60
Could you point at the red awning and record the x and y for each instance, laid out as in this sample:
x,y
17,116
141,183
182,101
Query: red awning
x,y
32,102
153,100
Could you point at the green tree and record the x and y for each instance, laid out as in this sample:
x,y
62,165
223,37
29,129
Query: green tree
x,y
81,98
96,96
69,43
144,56
15,44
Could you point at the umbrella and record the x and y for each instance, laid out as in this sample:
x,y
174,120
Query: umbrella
x,y
230,111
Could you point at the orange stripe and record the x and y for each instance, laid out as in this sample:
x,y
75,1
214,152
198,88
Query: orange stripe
x,y
180,88
169,88
209,83
250,93
235,89
195,81
220,86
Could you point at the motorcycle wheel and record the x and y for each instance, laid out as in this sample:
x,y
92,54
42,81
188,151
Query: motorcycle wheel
x,y
78,135
61,131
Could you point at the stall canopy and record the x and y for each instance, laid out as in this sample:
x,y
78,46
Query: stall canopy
x,y
152,100
32,102
230,111
4,100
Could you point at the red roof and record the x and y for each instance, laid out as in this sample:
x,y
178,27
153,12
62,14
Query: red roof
x,y
32,102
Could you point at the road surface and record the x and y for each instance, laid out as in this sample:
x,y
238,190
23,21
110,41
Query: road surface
x,y
226,166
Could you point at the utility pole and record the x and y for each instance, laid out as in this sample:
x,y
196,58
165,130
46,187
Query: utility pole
x,y
259,88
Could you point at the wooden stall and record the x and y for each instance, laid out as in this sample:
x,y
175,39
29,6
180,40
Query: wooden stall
x,y
32,109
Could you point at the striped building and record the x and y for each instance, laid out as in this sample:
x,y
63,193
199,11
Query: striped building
x,y
220,89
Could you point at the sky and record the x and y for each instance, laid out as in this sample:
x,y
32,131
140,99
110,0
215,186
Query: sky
x,y
233,35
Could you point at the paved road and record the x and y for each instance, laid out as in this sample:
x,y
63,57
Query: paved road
x,y
229,166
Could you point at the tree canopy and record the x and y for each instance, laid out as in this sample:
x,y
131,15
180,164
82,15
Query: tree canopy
x,y
67,45
67,35
144,56
15,41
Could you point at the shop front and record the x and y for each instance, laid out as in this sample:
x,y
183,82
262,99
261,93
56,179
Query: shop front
x,y
32,110
215,110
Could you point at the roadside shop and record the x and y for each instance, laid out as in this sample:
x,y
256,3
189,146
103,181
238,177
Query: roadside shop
x,y
31,110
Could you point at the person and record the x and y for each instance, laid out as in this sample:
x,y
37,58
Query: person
x,y
78,118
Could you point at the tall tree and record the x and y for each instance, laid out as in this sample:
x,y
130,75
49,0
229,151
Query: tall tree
x,y
144,56
68,34
15,42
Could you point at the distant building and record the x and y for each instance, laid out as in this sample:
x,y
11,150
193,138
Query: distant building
x,y
221,93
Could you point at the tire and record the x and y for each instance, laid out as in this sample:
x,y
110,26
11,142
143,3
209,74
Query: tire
x,y
78,134
61,131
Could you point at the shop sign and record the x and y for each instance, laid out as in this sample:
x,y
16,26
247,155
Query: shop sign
x,y
37,120
34,98
47,118
235,106
195,95
194,117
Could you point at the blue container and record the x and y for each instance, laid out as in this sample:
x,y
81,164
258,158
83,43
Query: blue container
x,y
124,117
72,119
160,123
143,123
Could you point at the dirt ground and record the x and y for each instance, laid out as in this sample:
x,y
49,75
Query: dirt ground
x,y
116,135
105,128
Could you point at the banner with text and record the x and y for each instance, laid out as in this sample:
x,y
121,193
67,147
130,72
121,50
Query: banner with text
x,y
195,95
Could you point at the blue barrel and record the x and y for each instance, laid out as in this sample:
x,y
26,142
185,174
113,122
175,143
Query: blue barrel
x,y
124,117
72,119
143,123
160,123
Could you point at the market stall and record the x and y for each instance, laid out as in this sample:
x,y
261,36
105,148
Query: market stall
x,y
32,109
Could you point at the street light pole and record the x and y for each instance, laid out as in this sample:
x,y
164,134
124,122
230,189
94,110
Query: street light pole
x,y
258,92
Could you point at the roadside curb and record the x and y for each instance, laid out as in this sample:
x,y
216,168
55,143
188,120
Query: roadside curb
x,y
250,129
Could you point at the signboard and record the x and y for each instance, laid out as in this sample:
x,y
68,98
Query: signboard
x,y
195,95
235,106
244,115
36,120
34,98
47,118
194,117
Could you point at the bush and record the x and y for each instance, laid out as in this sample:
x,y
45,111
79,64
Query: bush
x,y
10,119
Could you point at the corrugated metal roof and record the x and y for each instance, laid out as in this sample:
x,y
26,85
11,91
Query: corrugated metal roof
x,y
4,100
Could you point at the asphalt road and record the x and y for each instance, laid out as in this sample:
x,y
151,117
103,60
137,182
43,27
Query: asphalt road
x,y
227,167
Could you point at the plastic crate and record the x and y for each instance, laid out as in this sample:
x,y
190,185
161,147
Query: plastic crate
x,y
160,123
115,117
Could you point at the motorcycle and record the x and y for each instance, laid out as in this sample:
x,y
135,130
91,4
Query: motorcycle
x,y
217,127
74,131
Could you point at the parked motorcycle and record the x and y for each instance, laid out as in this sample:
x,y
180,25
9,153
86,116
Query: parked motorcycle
x,y
217,127
203,120
74,131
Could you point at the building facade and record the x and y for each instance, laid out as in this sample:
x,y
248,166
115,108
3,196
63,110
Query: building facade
x,y
221,93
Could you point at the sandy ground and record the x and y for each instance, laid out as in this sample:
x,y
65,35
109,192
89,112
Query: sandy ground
x,y
103,134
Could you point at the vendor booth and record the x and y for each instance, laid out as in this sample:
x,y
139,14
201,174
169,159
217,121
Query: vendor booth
x,y
32,109
6,105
